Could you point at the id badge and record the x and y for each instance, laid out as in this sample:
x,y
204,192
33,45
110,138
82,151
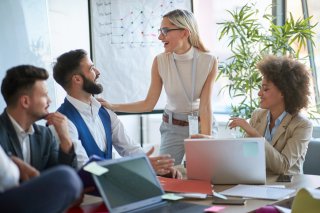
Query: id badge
x,y
193,124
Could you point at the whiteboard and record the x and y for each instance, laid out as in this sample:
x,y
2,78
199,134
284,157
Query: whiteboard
x,y
124,41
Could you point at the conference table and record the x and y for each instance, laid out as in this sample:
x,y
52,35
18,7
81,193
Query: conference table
x,y
95,204
298,182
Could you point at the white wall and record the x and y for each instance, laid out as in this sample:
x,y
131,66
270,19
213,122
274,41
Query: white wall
x,y
69,29
24,37
37,31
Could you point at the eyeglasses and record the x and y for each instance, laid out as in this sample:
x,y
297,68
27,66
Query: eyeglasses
x,y
164,31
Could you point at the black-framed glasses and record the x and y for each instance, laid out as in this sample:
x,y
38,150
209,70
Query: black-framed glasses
x,y
164,31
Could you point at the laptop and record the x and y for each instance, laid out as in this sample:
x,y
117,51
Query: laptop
x,y
226,161
131,185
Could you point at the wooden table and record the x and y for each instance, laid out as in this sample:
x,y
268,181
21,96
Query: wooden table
x,y
95,204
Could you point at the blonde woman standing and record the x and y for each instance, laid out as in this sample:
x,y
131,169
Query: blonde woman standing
x,y
187,72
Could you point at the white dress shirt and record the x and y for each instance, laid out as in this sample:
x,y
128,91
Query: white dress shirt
x,y
9,172
89,113
24,138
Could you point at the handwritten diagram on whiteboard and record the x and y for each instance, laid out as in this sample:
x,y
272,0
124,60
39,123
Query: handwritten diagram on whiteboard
x,y
124,43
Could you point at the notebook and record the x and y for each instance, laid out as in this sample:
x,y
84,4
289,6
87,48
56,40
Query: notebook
x,y
86,177
131,185
260,192
226,161
186,186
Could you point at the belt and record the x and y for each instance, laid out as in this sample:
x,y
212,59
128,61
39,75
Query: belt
x,y
177,122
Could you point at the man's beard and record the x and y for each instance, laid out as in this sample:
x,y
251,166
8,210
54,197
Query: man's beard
x,y
90,86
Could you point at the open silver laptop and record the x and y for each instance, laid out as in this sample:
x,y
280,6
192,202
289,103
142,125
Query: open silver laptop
x,y
131,185
226,161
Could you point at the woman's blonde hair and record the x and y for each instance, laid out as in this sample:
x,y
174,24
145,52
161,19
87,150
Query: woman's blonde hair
x,y
186,20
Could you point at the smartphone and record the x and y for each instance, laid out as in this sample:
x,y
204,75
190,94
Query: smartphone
x,y
233,201
284,178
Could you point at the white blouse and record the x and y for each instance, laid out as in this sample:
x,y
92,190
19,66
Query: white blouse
x,y
169,64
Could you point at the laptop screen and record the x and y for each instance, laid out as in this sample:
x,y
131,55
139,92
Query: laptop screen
x,y
130,183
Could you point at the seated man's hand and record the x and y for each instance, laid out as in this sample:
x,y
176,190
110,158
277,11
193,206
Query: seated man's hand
x,y
162,164
174,173
60,123
26,171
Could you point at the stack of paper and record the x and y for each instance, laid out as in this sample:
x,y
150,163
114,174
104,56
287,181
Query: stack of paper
x,y
260,192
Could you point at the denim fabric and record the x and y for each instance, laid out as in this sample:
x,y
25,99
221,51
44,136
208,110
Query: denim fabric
x,y
172,139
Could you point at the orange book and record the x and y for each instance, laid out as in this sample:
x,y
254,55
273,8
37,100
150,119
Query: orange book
x,y
185,186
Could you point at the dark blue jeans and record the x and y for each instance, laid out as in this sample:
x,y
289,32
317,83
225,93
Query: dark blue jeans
x,y
53,191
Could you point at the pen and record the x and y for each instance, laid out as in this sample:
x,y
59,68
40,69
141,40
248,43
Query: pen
x,y
216,194
193,195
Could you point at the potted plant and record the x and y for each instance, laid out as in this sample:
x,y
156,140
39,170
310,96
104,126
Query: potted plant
x,y
249,41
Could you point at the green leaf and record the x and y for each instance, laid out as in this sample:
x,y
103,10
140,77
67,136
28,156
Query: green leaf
x,y
248,41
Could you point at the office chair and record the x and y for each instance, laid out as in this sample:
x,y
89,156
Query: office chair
x,y
311,164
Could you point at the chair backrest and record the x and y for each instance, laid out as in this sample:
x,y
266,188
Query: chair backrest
x,y
311,164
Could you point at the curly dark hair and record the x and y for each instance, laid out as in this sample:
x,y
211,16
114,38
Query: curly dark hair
x,y
291,77
20,80
67,65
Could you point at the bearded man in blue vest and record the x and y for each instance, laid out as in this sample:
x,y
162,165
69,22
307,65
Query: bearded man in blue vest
x,y
97,128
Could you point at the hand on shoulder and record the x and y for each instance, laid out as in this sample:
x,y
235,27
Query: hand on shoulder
x,y
105,103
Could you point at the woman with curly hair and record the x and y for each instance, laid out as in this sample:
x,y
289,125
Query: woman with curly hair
x,y
284,92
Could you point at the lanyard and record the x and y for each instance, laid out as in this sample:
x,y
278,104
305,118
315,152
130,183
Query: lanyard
x,y
194,64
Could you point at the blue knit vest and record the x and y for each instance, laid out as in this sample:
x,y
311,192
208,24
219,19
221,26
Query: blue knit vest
x,y
85,136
